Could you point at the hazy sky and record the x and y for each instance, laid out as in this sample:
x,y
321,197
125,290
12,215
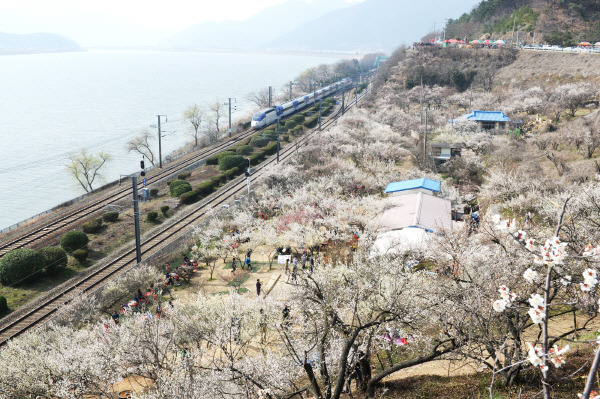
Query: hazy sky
x,y
158,14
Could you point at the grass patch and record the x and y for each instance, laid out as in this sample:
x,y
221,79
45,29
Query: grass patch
x,y
256,266
242,290
20,295
238,281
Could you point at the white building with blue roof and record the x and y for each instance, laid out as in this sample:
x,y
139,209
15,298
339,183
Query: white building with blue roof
x,y
488,120
413,186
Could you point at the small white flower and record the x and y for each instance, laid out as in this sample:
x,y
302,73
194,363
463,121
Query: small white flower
x,y
536,315
585,287
536,301
589,273
559,352
520,235
529,244
499,305
496,219
530,275
566,280
533,357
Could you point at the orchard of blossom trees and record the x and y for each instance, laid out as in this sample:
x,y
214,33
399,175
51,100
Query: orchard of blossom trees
x,y
516,297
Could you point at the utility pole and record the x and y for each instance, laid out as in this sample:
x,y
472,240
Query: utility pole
x,y
270,95
229,103
512,39
425,143
343,98
291,84
356,93
320,115
136,217
533,44
159,140
278,139
421,99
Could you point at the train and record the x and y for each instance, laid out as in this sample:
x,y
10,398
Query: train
x,y
268,116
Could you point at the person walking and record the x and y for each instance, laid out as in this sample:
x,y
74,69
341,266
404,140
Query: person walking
x,y
303,261
287,266
233,265
311,265
258,287
115,317
248,263
528,219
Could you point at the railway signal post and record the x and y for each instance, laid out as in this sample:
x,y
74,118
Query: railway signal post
x,y
136,217
320,114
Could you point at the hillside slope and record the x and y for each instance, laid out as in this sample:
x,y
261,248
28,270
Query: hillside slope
x,y
35,43
565,22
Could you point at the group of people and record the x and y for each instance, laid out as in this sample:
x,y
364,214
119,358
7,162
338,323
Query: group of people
x,y
246,264
306,262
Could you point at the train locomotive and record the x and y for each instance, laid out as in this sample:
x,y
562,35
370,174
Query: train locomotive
x,y
270,115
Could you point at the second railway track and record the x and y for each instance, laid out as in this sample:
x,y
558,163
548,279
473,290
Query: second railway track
x,y
46,308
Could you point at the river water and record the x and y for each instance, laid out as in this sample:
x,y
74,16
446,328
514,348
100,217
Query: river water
x,y
52,105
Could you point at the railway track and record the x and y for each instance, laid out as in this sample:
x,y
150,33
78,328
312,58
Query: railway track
x,y
44,310
82,212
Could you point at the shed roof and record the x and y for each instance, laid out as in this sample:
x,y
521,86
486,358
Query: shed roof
x,y
487,116
427,184
416,210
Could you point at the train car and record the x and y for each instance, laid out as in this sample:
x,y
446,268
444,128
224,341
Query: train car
x,y
268,116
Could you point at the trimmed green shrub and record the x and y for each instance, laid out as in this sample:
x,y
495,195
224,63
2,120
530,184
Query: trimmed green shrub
x,y
299,119
311,121
296,131
151,216
212,160
233,172
271,148
164,209
216,181
169,182
289,125
230,161
175,183
255,159
244,150
81,256
184,175
285,137
259,142
205,188
55,260
176,191
3,304
73,240
154,192
20,266
190,197
269,134
92,226
110,216
245,141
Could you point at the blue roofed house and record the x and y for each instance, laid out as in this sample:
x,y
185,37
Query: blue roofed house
x,y
411,215
489,120
413,186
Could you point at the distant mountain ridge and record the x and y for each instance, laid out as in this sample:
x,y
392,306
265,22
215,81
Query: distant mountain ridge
x,y
35,43
326,25
254,32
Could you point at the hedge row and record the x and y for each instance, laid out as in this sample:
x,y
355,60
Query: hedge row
x,y
21,266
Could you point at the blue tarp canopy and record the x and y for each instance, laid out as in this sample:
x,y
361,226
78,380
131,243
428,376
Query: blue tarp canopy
x,y
487,116
427,184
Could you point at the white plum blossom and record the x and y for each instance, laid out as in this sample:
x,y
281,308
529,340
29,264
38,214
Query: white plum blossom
x,y
536,301
520,235
590,277
530,275
499,305
566,280
529,244
589,250
536,315
533,357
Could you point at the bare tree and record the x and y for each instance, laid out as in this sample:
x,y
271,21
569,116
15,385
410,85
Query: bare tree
x,y
260,98
218,110
141,145
194,114
85,167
